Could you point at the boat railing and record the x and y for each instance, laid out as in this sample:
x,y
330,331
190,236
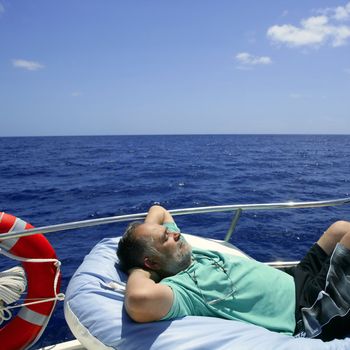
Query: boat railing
x,y
237,209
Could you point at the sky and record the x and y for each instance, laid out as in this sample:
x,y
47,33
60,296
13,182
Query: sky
x,y
112,67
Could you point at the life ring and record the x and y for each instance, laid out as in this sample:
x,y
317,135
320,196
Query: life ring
x,y
27,326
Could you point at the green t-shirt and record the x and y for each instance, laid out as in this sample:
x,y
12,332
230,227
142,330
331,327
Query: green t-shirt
x,y
232,287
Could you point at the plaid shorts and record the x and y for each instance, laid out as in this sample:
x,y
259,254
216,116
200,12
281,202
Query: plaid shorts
x,y
309,278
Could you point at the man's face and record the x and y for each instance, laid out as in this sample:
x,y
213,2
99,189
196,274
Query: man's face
x,y
175,252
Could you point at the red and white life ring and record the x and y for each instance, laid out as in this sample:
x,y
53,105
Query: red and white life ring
x,y
27,326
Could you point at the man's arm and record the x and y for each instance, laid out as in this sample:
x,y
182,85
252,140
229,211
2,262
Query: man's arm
x,y
146,300
158,215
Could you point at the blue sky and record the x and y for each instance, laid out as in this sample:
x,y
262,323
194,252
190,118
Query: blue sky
x,y
174,67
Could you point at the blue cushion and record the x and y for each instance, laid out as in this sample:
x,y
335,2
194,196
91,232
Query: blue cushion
x,y
95,313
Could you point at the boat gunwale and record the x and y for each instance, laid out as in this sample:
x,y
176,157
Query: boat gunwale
x,y
176,212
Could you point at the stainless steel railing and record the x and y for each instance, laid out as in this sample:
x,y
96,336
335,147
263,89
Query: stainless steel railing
x,y
237,208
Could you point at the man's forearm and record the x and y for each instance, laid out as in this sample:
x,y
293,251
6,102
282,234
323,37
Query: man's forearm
x,y
146,300
137,286
158,215
140,276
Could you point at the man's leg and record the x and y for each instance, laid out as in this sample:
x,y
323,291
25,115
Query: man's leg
x,y
339,232
335,305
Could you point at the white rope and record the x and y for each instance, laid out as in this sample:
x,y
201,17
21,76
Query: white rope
x,y
12,284
5,313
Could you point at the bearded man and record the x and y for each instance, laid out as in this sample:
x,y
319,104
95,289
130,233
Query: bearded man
x,y
168,279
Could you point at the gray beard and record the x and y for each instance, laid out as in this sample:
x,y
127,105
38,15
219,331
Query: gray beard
x,y
171,268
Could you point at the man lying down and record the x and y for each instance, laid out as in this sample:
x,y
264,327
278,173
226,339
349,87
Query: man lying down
x,y
169,279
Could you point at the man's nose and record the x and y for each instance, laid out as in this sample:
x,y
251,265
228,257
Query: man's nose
x,y
176,236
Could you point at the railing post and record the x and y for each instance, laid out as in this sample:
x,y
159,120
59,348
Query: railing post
x,y
233,224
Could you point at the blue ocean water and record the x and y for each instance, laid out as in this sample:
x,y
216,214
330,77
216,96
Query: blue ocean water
x,y
51,180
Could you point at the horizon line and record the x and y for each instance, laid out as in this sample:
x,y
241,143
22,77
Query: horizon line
x,y
183,134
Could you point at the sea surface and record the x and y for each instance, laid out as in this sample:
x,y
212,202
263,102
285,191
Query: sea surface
x,y
51,180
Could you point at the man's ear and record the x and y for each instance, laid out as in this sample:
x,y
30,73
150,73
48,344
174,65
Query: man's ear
x,y
150,264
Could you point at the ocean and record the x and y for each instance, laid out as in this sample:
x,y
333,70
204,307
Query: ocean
x,y
51,180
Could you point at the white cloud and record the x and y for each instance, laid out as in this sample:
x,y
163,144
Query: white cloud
x,y
339,13
248,59
315,30
28,65
342,13
2,9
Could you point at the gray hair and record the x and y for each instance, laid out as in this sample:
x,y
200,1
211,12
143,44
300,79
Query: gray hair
x,y
132,250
